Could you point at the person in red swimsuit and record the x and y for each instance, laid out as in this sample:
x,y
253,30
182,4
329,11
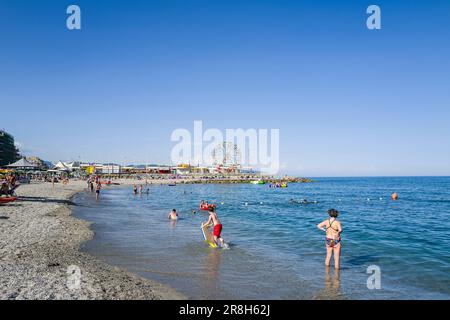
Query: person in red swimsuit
x,y
214,219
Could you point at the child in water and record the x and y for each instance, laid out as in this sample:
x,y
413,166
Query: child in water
x,y
333,230
214,219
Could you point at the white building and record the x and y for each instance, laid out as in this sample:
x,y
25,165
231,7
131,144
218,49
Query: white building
x,y
111,168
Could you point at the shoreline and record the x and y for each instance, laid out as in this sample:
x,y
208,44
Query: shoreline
x,y
41,240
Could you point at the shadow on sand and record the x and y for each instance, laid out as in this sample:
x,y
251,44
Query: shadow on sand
x,y
45,200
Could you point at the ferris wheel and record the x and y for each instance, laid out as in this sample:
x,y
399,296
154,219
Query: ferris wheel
x,y
226,154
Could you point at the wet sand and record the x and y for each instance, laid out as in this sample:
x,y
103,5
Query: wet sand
x,y
40,241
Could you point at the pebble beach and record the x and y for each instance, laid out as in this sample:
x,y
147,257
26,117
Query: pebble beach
x,y
40,247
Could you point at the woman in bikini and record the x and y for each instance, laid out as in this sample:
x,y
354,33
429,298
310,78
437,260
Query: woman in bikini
x,y
333,230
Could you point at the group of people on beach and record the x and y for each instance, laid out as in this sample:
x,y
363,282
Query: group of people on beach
x,y
278,185
9,185
213,220
140,190
94,185
331,226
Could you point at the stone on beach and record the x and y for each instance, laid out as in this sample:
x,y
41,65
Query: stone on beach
x,y
40,240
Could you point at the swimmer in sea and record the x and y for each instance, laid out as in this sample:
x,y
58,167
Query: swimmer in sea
x,y
302,201
173,215
394,196
333,230
134,189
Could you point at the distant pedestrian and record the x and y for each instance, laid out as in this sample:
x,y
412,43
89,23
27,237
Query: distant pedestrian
x,y
97,190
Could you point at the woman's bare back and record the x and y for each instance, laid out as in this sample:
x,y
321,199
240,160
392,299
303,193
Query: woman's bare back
x,y
333,228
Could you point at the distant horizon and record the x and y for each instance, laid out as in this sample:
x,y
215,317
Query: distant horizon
x,y
282,172
279,174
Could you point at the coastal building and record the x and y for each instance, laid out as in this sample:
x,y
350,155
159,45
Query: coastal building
x,y
67,166
85,166
165,170
152,169
182,169
227,154
226,169
159,169
249,170
200,170
61,166
111,168
133,169
8,151
98,167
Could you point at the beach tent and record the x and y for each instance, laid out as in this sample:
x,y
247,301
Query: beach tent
x,y
61,166
23,164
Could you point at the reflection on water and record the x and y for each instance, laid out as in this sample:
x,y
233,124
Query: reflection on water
x,y
211,265
276,249
332,287
173,223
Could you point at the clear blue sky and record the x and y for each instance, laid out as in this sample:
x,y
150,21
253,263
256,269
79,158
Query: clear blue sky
x,y
348,101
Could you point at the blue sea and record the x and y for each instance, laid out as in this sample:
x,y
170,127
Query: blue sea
x,y
275,250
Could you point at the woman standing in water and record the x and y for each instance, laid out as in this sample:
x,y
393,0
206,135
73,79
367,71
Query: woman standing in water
x,y
333,230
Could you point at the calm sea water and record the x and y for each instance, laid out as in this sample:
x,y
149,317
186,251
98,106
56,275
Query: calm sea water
x,y
276,251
